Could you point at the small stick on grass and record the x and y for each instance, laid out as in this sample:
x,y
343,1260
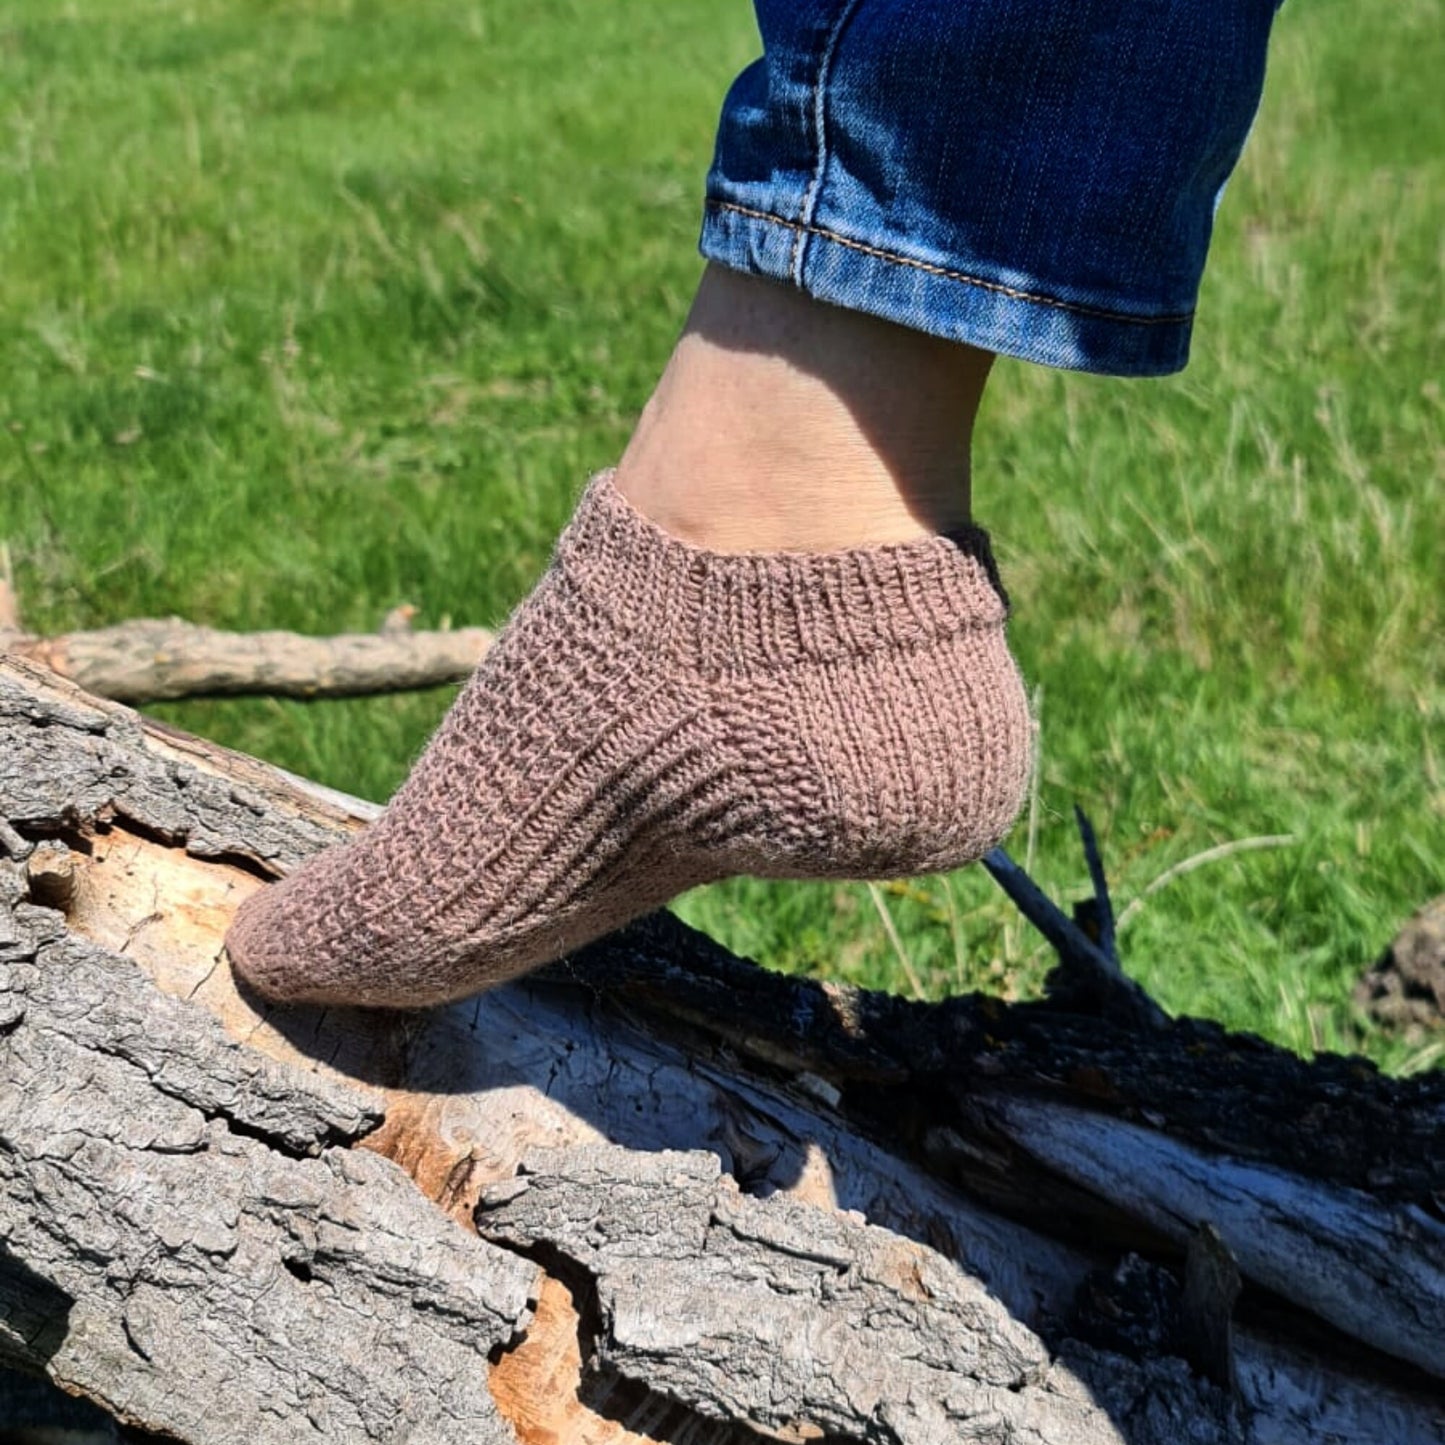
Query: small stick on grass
x,y
146,660
911,973
1198,860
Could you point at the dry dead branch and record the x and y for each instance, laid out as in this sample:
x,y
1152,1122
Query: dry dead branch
x,y
150,660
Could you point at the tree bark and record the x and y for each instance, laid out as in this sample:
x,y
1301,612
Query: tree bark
x,y
655,1193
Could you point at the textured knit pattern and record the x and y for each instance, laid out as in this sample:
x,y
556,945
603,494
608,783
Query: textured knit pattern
x,y
656,716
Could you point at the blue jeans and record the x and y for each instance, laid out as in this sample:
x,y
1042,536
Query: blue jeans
x,y
1034,177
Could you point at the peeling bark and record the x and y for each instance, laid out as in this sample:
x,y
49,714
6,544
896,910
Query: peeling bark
x,y
792,1321
216,1262
715,1205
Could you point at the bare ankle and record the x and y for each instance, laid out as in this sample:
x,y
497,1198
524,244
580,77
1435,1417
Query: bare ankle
x,y
782,423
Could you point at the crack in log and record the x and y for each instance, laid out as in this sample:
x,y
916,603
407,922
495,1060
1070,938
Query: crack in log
x,y
327,1134
552,1384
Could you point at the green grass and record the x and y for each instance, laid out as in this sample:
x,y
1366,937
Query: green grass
x,y
310,309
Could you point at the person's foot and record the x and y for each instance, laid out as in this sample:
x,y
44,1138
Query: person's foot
x,y
658,715
771,643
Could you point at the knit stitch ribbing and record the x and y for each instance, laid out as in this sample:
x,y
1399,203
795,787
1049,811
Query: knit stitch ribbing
x,y
741,612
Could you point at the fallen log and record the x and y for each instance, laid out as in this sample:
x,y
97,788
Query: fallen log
x,y
655,1193
153,659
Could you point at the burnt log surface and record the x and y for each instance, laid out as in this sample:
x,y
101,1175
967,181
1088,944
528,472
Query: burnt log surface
x,y
913,1066
656,1193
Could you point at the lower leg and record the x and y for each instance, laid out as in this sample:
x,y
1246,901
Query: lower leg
x,y
782,423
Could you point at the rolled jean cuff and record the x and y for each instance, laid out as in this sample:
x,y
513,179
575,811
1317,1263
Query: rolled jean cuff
x,y
1034,177
1014,317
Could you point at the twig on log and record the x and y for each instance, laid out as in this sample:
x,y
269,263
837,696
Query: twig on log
x,y
150,660
1102,914
1040,910
1087,977
1211,1286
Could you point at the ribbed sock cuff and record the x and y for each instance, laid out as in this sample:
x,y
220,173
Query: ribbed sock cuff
x,y
749,611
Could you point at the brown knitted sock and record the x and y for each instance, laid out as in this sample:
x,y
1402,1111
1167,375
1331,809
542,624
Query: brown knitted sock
x,y
656,716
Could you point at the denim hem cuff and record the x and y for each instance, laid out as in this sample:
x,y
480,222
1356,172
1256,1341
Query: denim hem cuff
x,y
1011,319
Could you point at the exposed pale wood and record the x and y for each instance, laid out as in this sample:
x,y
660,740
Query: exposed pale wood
x,y
538,1385
9,602
151,659
820,1134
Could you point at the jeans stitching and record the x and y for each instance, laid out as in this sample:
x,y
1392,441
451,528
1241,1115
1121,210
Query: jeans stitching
x,y
810,197
1013,292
